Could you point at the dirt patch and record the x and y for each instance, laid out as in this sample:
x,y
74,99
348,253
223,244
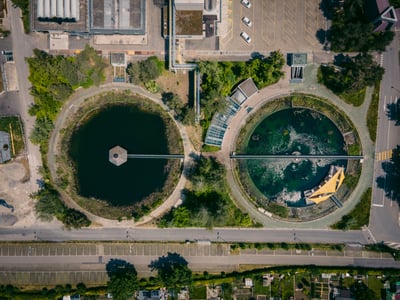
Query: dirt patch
x,y
177,83
194,133
15,191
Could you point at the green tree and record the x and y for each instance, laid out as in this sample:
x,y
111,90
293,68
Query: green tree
x,y
123,279
73,218
352,29
181,217
172,271
352,75
133,71
48,203
150,69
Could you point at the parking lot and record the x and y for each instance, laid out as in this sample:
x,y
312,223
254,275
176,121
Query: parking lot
x,y
288,25
114,249
53,277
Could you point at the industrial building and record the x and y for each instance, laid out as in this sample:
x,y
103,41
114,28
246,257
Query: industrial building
x,y
88,17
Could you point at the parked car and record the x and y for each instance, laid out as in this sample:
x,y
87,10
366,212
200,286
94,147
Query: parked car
x,y
246,3
246,37
247,21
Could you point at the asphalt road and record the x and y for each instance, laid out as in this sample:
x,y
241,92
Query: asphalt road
x,y
196,263
385,217
182,234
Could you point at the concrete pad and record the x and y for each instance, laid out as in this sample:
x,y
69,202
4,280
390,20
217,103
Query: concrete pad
x,y
58,41
10,71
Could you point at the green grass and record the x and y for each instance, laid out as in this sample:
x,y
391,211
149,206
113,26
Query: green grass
x,y
209,148
198,292
354,98
359,216
17,134
278,210
372,114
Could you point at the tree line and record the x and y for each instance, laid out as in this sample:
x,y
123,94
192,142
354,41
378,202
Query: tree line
x,y
350,74
353,30
54,79
218,78
207,203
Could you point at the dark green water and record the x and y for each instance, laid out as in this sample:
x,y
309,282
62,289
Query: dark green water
x,y
138,132
286,132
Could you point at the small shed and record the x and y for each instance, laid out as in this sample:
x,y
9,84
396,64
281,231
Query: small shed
x,y
297,62
5,154
245,90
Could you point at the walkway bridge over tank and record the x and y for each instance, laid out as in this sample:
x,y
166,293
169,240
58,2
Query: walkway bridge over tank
x,y
294,156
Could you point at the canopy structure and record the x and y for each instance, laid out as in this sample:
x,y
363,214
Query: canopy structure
x,y
328,187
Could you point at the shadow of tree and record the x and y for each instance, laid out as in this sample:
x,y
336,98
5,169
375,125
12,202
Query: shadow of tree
x,y
326,6
393,112
321,36
390,181
117,267
172,270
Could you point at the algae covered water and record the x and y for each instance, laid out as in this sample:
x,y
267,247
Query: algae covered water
x,y
288,132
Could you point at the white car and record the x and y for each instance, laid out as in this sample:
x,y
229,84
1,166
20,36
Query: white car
x,y
247,21
246,37
246,3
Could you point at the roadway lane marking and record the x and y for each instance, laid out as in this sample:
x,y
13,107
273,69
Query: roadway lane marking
x,y
384,155
384,104
370,233
377,205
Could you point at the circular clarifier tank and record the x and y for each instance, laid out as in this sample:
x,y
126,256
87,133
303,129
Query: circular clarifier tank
x,y
294,131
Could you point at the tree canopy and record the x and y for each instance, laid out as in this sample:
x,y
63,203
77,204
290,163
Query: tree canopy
x,y
351,74
54,78
219,78
352,29
123,279
172,271
49,204
207,203
145,70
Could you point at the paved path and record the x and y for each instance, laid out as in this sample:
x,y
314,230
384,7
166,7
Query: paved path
x,y
72,105
356,114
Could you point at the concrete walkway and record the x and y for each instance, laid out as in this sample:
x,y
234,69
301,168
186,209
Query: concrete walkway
x,y
310,86
71,106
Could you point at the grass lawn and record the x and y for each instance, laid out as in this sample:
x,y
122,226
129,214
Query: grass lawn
x,y
354,98
375,284
359,216
372,115
198,292
17,137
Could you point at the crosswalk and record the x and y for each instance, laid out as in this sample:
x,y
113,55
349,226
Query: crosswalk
x,y
384,155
